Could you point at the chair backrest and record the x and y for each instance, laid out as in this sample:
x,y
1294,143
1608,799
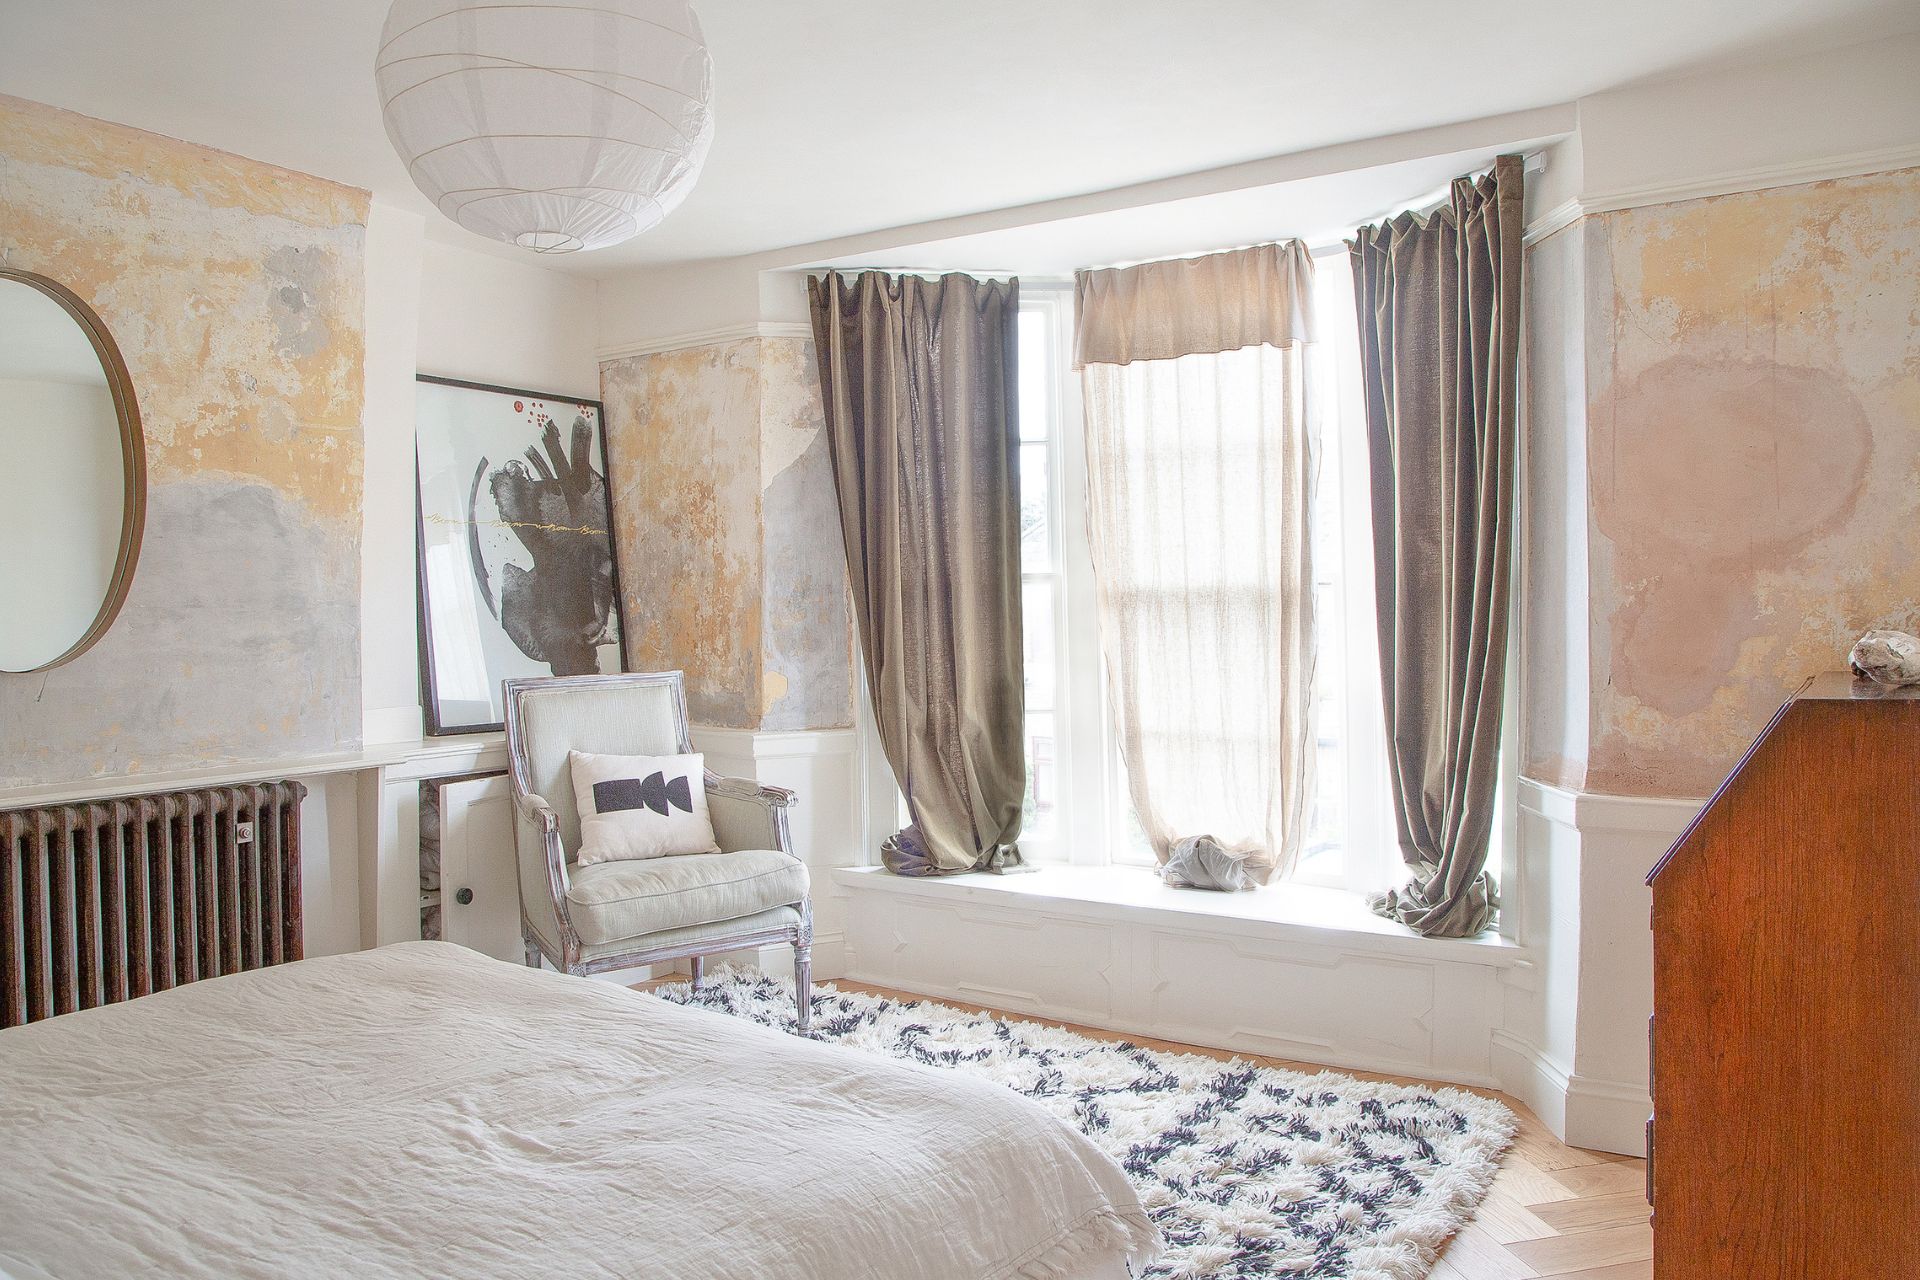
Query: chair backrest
x,y
642,714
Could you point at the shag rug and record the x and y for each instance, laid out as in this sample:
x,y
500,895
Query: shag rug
x,y
1248,1170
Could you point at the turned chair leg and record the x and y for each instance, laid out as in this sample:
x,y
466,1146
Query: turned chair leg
x,y
698,967
803,986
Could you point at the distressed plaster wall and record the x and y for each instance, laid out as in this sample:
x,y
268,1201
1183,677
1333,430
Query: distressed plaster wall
x,y
727,532
235,292
807,670
1753,409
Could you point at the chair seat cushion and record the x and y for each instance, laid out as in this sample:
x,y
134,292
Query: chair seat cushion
x,y
612,901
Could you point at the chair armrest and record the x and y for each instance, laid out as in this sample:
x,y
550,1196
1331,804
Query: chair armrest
x,y
747,815
536,810
552,858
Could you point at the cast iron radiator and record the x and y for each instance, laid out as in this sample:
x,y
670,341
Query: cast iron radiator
x,y
104,900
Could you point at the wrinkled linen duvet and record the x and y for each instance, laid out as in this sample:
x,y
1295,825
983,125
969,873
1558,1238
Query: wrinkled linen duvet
x,y
422,1110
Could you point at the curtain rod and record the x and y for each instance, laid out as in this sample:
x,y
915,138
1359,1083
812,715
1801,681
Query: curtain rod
x,y
1533,162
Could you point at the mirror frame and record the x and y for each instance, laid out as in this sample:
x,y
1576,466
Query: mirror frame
x,y
133,457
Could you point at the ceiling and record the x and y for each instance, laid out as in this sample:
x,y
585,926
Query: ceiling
x,y
837,117
1321,210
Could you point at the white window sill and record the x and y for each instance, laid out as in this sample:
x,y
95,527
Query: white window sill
x,y
1284,912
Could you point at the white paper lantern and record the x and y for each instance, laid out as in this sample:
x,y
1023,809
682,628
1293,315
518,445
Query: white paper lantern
x,y
549,125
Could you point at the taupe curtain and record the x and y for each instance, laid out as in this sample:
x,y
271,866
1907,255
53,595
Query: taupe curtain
x,y
1199,493
1438,300
919,381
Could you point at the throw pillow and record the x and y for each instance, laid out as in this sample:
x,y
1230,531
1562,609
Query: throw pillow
x,y
641,806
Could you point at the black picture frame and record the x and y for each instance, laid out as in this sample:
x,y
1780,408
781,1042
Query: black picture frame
x,y
443,717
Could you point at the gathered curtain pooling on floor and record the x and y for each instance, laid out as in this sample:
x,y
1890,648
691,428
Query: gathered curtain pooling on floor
x,y
1199,493
1438,304
919,380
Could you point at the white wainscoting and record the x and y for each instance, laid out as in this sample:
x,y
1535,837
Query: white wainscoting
x,y
817,765
1572,1043
820,767
1556,1017
1291,971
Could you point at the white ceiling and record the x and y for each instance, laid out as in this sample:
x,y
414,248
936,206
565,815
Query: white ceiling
x,y
842,116
1320,210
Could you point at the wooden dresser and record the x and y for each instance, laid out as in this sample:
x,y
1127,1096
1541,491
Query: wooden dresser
x,y
1785,1141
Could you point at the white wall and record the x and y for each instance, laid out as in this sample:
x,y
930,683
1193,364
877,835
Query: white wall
x,y
441,309
1754,123
684,304
389,670
330,865
507,323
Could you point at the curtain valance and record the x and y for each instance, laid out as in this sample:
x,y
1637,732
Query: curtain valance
x,y
1192,306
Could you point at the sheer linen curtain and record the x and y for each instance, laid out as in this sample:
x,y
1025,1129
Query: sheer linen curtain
x,y
1438,301
919,380
1199,492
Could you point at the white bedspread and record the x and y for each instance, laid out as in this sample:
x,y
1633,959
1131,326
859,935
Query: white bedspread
x,y
421,1110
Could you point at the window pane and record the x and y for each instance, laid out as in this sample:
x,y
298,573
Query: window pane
x,y
1036,525
1034,375
1040,647
1043,775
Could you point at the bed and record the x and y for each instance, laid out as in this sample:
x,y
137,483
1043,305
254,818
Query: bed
x,y
423,1110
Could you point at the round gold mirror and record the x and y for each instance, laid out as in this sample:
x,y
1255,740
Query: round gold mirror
x,y
73,487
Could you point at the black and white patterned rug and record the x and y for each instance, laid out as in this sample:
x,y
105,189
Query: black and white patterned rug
x,y
1248,1170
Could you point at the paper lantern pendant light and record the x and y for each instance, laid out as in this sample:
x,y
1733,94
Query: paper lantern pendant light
x,y
552,126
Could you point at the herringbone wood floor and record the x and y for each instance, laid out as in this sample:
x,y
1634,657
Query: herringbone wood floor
x,y
1554,1210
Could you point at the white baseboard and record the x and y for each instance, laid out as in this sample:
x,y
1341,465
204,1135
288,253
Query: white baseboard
x,y
1600,1115
1533,1078
1605,1115
819,767
829,958
1573,1041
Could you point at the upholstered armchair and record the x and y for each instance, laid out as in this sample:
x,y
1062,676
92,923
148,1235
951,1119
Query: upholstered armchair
x,y
617,915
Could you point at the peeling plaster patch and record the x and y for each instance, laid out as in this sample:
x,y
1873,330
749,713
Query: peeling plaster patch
x,y
243,602
247,594
728,532
773,687
169,169
297,282
790,413
809,629
1754,435
1721,472
192,296
684,452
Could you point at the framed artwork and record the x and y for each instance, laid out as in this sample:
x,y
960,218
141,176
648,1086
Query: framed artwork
x,y
517,573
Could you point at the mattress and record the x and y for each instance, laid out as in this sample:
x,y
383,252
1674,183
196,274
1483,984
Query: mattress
x,y
422,1110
